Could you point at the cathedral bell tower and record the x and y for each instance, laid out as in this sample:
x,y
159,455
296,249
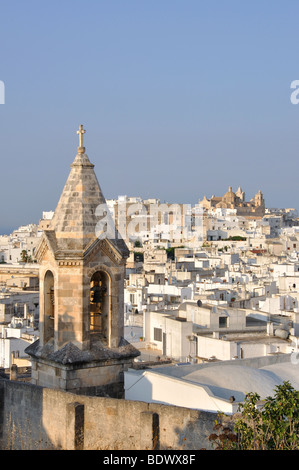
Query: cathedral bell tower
x,y
81,347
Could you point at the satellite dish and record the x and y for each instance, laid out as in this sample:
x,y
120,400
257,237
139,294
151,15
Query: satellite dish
x,y
199,303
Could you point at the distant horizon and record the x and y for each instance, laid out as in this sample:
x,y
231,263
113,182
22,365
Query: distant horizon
x,y
8,229
178,100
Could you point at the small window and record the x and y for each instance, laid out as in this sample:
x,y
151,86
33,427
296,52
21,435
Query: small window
x,y
222,322
157,334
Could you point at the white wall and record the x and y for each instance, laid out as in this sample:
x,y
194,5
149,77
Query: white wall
x,y
227,350
170,290
177,342
288,283
223,350
275,305
153,388
254,349
209,317
176,333
4,353
7,346
288,269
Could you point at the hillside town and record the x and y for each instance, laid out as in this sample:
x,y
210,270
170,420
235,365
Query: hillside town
x,y
139,304
149,231
226,288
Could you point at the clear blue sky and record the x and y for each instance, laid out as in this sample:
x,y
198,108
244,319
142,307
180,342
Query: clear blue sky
x,y
180,99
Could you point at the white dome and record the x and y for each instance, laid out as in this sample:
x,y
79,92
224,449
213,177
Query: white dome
x,y
225,381
286,371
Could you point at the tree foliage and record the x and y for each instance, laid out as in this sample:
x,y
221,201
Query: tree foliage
x,y
25,258
271,424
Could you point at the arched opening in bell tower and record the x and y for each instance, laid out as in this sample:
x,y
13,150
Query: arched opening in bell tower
x,y
99,305
49,306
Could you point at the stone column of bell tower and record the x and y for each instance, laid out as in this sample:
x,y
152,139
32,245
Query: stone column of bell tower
x,y
81,346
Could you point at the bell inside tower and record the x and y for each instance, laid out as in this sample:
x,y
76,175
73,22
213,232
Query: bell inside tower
x,y
49,306
99,304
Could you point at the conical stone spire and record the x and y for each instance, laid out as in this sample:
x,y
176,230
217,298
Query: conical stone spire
x,y
74,221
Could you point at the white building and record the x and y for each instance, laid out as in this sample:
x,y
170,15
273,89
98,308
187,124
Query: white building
x,y
25,238
214,386
168,333
20,303
171,294
200,332
14,339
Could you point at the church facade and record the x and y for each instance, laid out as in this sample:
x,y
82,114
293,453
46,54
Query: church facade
x,y
253,209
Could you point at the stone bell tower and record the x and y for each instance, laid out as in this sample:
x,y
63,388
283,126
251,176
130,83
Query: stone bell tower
x,y
81,347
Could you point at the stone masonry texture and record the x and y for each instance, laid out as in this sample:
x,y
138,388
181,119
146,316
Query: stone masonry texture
x,y
36,418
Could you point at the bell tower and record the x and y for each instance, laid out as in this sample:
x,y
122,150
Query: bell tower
x,y
81,347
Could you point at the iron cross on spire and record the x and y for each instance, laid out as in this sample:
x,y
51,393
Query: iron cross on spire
x,y
81,131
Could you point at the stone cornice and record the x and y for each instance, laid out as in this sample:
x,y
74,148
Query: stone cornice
x,y
106,248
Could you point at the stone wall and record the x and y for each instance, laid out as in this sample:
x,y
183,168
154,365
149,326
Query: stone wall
x,y
36,418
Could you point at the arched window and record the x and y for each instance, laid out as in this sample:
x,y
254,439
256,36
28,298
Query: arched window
x,y
49,301
99,304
